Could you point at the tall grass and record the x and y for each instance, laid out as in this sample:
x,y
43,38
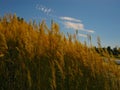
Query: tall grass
x,y
35,57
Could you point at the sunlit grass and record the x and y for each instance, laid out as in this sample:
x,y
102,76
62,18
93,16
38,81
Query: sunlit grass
x,y
39,58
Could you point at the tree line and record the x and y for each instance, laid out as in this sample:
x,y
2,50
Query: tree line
x,y
111,51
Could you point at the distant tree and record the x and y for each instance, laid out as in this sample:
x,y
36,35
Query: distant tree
x,y
109,50
119,50
115,51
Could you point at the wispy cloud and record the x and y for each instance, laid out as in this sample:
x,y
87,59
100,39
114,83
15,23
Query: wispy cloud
x,y
70,19
44,9
76,26
68,22
82,35
72,25
89,31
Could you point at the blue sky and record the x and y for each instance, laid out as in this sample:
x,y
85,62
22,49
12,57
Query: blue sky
x,y
94,17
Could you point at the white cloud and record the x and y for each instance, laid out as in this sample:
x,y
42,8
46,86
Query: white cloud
x,y
82,35
44,9
76,26
69,22
72,25
89,31
70,19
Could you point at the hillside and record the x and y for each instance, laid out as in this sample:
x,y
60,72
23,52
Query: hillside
x,y
35,57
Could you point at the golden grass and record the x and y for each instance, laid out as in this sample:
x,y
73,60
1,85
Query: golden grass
x,y
39,58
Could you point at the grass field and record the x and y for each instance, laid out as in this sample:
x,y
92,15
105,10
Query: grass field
x,y
35,57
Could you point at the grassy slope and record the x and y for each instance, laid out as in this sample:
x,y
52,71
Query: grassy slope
x,y
38,58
